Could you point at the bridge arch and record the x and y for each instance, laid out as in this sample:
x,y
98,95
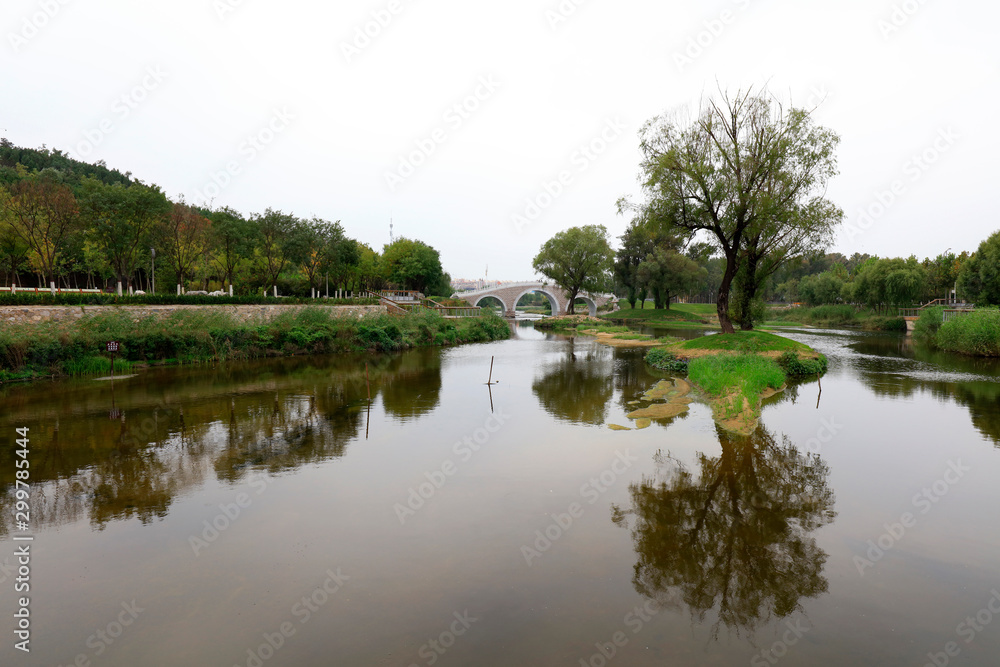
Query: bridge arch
x,y
591,305
499,298
553,299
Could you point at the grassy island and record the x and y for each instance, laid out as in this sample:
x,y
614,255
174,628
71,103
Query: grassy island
x,y
737,371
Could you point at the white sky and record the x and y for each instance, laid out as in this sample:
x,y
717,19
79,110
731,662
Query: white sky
x,y
227,70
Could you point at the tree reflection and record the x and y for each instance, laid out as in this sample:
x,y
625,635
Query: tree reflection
x,y
169,434
735,536
577,387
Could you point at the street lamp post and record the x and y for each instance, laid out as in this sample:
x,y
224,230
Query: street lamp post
x,y
152,251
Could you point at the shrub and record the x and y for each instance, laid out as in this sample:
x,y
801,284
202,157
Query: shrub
x,y
928,324
977,333
796,367
664,360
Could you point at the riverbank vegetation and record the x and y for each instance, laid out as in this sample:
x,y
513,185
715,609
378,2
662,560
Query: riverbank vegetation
x,y
53,349
977,333
842,315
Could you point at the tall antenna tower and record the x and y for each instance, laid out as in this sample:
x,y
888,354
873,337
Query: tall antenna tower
x,y
391,239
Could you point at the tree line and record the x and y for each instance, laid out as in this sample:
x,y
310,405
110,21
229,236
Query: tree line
x,y
78,225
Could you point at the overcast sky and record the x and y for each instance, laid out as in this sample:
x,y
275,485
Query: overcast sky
x,y
455,117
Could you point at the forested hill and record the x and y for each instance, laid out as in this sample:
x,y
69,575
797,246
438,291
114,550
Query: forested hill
x,y
39,159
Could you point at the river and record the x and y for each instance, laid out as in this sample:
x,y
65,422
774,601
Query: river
x,y
310,511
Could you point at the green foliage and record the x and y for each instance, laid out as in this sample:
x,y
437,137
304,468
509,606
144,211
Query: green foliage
x,y
413,265
73,171
884,323
637,242
979,278
796,366
977,333
666,273
577,259
885,283
930,320
120,220
823,288
663,359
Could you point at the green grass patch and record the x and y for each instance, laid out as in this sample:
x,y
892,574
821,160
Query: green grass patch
x,y
701,309
736,382
97,365
632,315
607,328
745,341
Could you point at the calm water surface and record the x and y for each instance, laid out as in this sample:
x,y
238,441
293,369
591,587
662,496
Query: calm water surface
x,y
268,513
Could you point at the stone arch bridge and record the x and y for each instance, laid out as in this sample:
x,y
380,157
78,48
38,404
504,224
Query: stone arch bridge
x,y
510,293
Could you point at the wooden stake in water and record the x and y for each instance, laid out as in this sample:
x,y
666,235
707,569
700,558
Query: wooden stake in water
x,y
490,380
368,415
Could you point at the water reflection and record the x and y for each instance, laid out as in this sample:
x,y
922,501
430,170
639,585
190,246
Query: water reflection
x,y
900,368
577,386
735,537
172,429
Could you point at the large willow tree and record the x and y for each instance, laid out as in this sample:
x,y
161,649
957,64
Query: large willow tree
x,y
749,173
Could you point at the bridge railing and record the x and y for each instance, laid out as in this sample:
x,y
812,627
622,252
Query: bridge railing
x,y
952,313
950,307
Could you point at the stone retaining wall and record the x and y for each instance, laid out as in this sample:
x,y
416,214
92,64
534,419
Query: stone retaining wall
x,y
257,313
